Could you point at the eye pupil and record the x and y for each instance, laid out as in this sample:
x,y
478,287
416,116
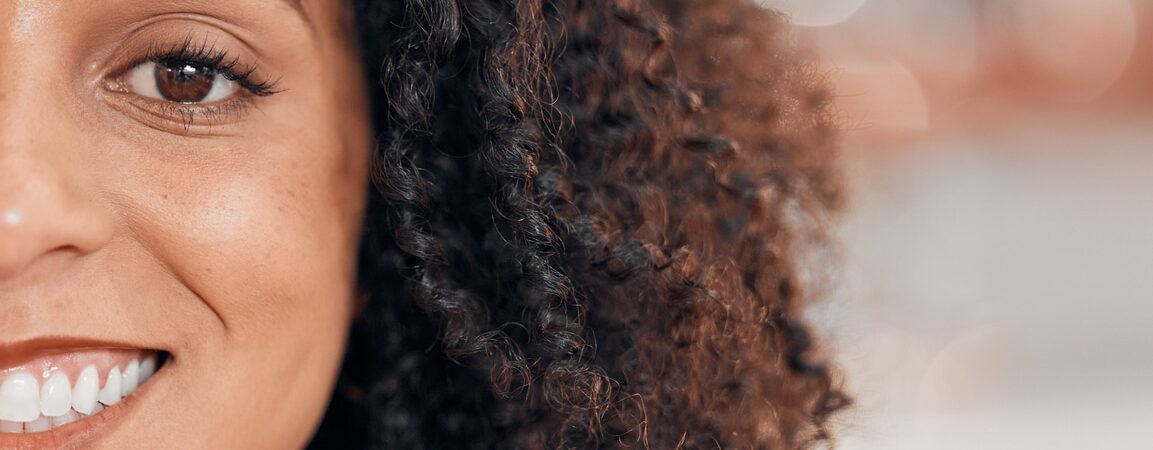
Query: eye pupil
x,y
184,82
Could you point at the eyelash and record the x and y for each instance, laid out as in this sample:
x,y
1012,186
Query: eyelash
x,y
219,60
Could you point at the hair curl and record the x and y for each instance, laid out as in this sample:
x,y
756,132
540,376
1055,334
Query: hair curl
x,y
584,229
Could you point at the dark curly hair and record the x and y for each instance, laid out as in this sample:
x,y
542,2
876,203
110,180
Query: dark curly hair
x,y
585,229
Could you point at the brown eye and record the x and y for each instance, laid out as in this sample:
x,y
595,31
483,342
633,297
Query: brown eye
x,y
184,82
180,82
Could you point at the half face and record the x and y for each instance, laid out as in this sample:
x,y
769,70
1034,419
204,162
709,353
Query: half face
x,y
181,192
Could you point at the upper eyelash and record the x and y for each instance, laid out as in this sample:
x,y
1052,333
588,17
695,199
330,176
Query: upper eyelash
x,y
206,54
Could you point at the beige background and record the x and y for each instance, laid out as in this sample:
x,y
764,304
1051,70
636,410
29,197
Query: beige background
x,y
996,290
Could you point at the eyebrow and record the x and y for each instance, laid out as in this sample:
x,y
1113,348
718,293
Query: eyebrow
x,y
299,8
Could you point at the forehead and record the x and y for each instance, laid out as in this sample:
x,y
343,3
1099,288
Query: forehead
x,y
24,13
71,24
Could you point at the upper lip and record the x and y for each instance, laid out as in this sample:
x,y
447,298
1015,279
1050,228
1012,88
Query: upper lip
x,y
16,352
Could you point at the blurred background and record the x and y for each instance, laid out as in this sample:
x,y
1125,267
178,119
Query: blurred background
x,y
996,289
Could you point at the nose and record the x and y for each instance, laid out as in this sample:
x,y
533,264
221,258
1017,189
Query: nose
x,y
50,210
44,212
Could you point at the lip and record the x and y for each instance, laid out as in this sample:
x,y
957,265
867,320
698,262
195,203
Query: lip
x,y
81,433
15,353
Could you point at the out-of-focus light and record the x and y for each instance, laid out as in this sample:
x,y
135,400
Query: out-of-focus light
x,y
816,13
937,39
888,362
966,372
881,98
1083,45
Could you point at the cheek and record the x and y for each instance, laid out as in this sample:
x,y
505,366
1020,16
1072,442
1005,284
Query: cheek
x,y
266,252
270,235
256,233
268,244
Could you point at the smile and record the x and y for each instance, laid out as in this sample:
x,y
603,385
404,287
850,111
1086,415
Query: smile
x,y
53,391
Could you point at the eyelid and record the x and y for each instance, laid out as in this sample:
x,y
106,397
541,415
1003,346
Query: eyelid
x,y
209,53
240,86
184,118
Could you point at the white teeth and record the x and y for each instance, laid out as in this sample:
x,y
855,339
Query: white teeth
x,y
67,418
30,404
11,427
40,424
147,367
85,391
131,378
56,396
111,393
20,397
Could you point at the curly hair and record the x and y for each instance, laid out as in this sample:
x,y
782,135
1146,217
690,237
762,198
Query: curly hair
x,y
585,229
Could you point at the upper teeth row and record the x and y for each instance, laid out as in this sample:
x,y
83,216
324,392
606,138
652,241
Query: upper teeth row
x,y
24,399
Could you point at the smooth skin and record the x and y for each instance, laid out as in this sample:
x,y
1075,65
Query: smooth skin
x,y
224,236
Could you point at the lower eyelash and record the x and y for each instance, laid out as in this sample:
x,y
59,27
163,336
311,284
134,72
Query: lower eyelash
x,y
190,114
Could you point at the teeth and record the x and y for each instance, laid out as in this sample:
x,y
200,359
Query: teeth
x,y
56,396
67,418
20,398
111,393
84,393
40,424
147,368
11,427
131,378
29,404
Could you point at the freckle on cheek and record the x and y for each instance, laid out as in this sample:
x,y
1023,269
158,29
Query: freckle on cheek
x,y
229,217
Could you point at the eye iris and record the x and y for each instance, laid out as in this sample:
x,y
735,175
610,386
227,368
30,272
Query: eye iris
x,y
184,82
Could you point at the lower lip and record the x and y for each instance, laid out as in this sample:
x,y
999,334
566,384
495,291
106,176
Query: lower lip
x,y
82,433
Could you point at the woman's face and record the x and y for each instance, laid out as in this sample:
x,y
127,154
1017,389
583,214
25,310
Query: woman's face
x,y
181,176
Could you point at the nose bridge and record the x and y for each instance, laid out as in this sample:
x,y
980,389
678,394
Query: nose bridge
x,y
48,202
25,31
